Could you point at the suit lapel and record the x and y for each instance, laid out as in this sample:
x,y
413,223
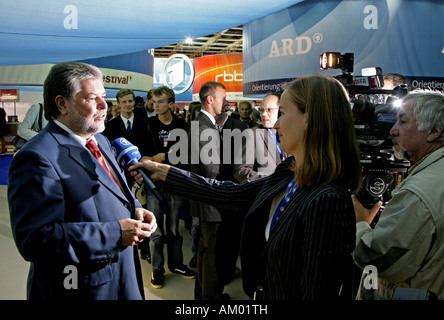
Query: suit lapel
x,y
274,185
85,159
204,120
125,189
289,213
105,179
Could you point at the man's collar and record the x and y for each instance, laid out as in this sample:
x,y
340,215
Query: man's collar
x,y
209,116
81,140
131,119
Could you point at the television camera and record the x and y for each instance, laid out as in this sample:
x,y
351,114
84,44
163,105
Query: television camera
x,y
375,112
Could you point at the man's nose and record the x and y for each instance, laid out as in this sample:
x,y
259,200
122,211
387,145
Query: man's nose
x,y
101,103
394,130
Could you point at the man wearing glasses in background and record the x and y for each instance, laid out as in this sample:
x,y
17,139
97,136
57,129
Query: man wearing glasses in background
x,y
266,154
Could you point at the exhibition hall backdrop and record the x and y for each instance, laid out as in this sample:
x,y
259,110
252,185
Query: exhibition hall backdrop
x,y
282,39
401,36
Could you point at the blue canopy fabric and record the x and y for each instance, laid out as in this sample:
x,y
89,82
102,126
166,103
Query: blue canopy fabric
x,y
49,31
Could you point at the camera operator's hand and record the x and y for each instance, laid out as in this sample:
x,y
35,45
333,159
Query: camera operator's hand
x,y
363,214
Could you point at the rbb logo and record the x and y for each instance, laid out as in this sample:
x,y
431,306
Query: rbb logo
x,y
228,77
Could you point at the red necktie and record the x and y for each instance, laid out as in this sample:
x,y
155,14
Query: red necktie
x,y
92,146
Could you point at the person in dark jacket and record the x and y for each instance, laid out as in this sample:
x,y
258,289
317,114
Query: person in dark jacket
x,y
299,231
127,125
72,214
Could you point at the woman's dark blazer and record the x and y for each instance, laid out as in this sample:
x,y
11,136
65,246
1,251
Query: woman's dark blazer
x,y
307,255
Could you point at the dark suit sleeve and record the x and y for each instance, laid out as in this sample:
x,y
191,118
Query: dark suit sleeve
x,y
222,194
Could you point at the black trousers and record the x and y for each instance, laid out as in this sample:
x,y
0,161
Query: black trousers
x,y
208,285
218,251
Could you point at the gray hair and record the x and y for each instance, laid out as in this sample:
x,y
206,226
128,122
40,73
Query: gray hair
x,y
428,108
64,79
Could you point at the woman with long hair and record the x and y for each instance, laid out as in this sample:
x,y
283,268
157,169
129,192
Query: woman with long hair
x,y
299,232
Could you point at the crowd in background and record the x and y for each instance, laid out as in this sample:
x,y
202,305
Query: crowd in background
x,y
293,218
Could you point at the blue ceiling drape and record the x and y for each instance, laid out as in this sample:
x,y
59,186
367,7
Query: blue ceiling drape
x,y
49,31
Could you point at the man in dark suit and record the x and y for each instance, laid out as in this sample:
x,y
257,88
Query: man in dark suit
x,y
229,233
205,160
127,124
72,214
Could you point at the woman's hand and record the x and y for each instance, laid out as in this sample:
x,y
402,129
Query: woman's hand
x,y
159,171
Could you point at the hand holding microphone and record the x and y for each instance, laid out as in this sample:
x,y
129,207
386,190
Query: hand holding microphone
x,y
128,155
159,171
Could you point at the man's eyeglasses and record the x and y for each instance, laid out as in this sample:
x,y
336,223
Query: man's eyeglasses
x,y
267,110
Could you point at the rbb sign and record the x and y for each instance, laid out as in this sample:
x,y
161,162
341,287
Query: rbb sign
x,y
228,77
224,68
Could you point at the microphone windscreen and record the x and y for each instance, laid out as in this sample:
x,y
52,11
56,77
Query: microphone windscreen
x,y
125,152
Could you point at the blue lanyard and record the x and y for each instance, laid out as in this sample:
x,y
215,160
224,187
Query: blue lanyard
x,y
281,153
280,208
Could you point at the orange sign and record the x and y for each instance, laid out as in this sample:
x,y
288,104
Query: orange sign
x,y
223,68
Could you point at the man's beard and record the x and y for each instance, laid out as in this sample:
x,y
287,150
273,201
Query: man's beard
x,y
82,125
401,154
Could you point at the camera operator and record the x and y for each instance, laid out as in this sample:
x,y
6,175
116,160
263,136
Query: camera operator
x,y
393,80
407,244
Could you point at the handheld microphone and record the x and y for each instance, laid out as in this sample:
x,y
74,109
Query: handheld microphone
x,y
127,155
